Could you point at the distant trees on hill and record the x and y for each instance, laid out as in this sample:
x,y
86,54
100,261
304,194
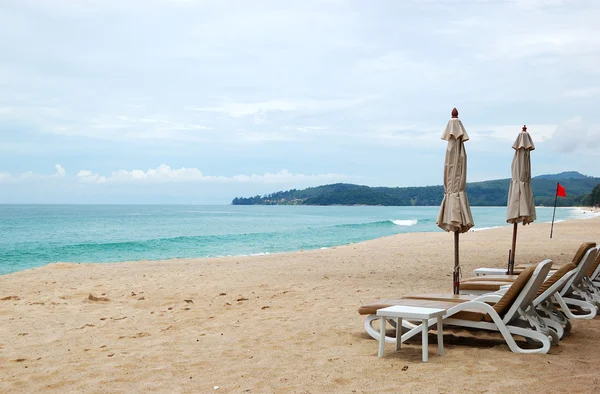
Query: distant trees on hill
x,y
487,193
593,199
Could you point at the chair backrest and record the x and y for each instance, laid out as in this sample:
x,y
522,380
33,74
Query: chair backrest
x,y
520,288
582,251
594,270
581,270
555,283
524,298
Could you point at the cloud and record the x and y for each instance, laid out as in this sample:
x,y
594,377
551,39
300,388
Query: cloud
x,y
59,174
237,109
165,173
575,135
315,86
538,132
587,92
60,171
86,176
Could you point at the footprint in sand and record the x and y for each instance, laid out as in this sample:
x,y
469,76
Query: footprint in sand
x,y
91,297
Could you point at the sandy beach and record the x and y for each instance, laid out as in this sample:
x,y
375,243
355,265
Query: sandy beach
x,y
282,323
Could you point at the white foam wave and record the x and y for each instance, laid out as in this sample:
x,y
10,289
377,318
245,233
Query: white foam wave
x,y
483,228
408,222
582,213
557,221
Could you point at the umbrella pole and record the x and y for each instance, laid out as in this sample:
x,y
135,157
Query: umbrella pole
x,y
511,264
456,274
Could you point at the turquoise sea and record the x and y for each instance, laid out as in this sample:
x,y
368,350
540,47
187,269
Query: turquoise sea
x,y
35,235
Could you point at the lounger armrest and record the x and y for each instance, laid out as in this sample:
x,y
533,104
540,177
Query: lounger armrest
x,y
491,297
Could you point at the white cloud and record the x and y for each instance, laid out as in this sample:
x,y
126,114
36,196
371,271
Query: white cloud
x,y
587,92
420,135
575,135
314,86
164,173
86,176
238,109
59,174
538,132
60,171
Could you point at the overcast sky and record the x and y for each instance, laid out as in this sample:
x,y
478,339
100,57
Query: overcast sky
x,y
199,101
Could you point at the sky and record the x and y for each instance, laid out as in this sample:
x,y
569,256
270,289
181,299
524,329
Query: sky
x,y
200,101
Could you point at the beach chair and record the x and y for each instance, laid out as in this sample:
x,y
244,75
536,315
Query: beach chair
x,y
581,288
512,313
570,290
491,283
592,280
544,300
500,273
577,259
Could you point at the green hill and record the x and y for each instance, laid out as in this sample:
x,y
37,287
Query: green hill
x,y
487,193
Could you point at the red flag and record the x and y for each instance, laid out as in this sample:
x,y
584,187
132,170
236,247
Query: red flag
x,y
560,190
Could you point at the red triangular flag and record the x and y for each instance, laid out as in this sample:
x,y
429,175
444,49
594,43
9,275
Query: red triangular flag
x,y
560,191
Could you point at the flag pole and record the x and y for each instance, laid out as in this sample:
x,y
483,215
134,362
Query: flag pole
x,y
555,198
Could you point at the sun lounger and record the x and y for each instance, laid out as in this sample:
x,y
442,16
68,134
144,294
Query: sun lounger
x,y
547,294
581,251
581,287
572,292
501,272
490,283
512,313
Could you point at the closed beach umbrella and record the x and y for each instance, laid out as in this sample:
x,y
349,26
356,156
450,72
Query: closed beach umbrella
x,y
455,212
520,206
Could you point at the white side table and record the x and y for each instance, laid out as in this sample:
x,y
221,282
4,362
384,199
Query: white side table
x,y
400,312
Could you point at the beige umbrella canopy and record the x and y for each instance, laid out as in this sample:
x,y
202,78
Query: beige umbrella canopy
x,y
455,212
520,205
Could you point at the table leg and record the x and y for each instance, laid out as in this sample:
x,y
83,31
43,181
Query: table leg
x,y
440,330
425,332
398,333
381,337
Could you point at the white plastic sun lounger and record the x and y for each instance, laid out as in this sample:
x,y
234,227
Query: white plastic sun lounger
x,y
580,289
512,314
543,301
566,287
502,271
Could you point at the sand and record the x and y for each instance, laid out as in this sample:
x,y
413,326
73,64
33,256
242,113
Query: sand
x,y
284,323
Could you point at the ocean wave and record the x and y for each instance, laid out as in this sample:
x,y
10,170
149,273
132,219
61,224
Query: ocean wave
x,y
381,223
408,222
483,228
582,213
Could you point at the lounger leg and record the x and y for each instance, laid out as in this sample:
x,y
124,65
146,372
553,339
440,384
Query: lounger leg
x,y
382,337
398,333
425,332
440,330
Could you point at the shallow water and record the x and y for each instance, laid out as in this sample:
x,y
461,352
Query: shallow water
x,y
35,235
